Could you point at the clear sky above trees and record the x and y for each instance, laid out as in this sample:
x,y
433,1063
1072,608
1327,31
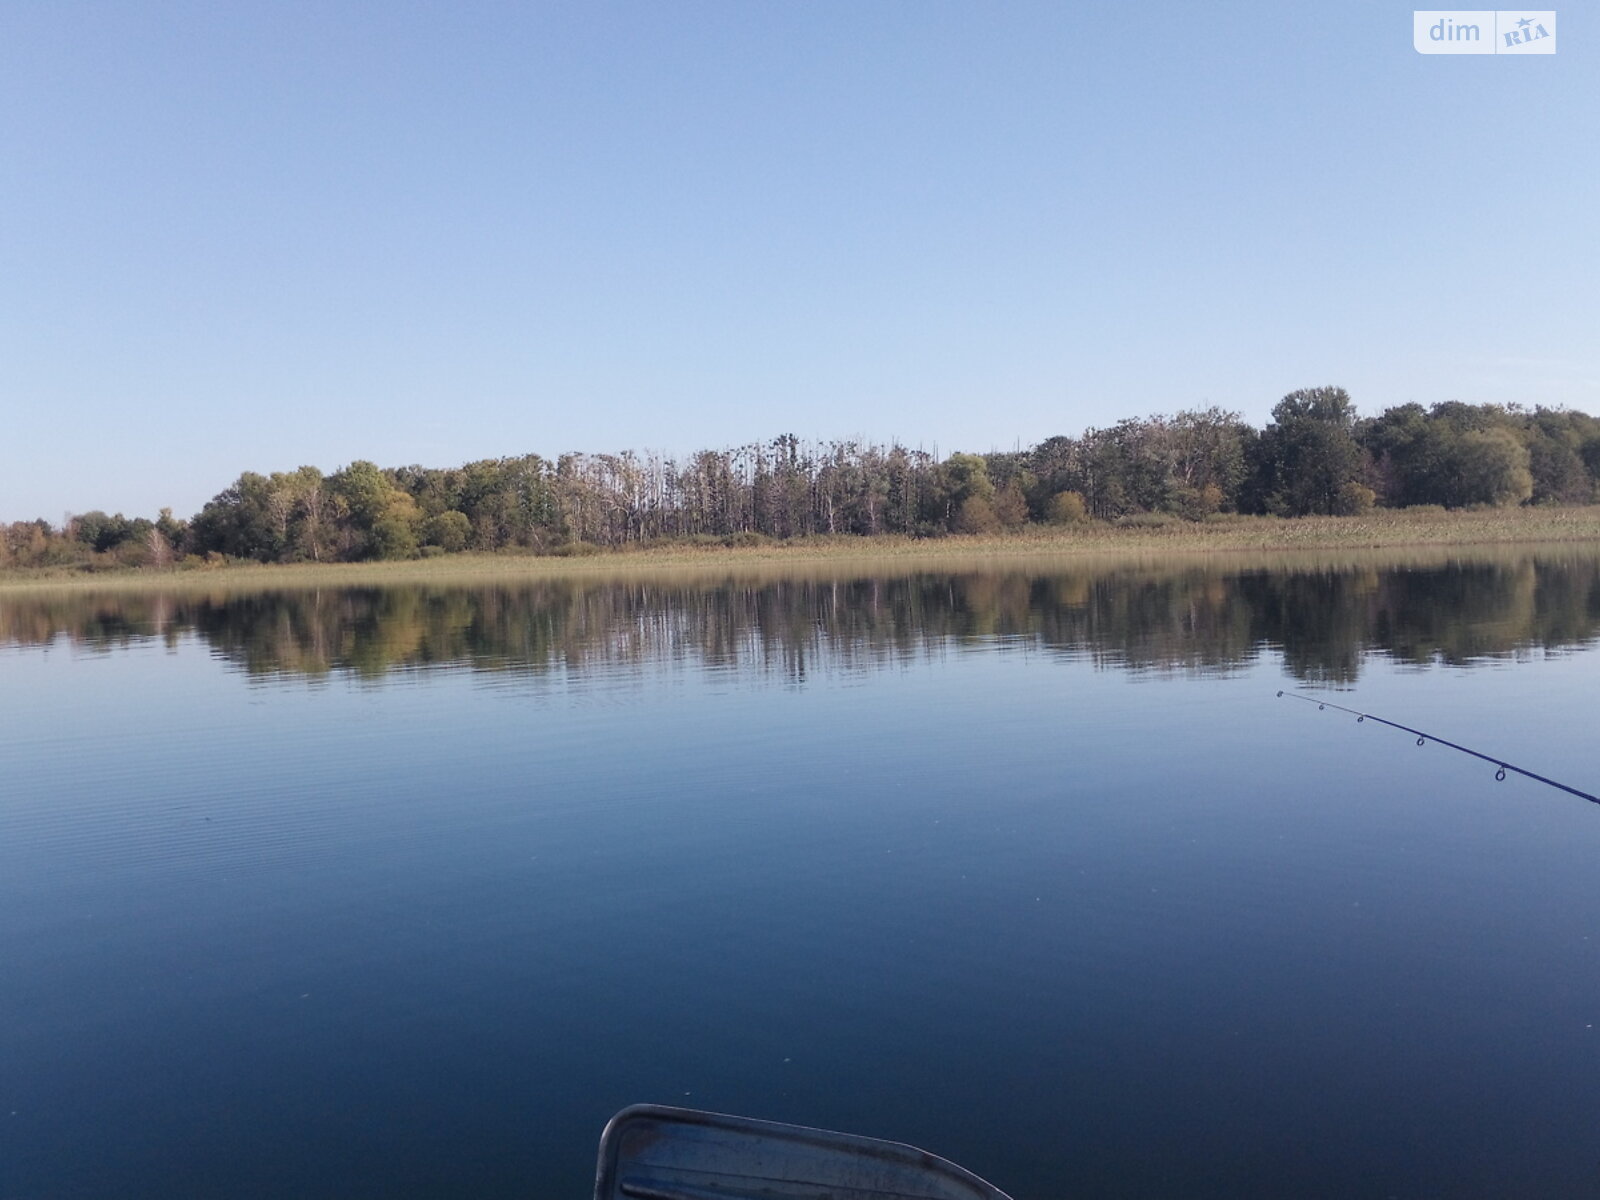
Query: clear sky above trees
x,y
310,234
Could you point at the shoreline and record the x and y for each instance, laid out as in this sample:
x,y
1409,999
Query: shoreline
x,y
1232,538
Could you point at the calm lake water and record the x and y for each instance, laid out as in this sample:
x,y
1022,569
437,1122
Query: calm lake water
x,y
403,892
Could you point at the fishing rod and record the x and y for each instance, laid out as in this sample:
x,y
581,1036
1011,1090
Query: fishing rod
x,y
1502,766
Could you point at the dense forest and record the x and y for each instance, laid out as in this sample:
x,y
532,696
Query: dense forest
x,y
1316,456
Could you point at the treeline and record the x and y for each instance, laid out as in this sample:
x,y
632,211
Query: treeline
x,y
1314,457
1193,618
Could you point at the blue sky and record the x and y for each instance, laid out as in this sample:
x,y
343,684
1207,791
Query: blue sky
x,y
247,237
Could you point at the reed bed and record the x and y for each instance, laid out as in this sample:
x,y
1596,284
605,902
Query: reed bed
x,y
1436,532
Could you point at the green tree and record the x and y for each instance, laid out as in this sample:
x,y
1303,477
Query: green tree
x,y
1068,508
238,521
976,514
1206,456
100,531
1404,450
1011,505
450,531
1309,453
394,533
173,531
1557,442
968,494
1493,468
380,519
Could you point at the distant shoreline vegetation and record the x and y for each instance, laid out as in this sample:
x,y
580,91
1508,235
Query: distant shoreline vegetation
x,y
1196,469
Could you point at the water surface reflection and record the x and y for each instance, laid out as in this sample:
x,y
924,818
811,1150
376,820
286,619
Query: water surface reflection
x,y
1194,617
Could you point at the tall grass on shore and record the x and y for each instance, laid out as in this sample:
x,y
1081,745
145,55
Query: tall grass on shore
x,y
1143,537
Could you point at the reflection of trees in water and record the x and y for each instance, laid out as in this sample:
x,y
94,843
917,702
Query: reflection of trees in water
x,y
1322,620
1193,619
1467,614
